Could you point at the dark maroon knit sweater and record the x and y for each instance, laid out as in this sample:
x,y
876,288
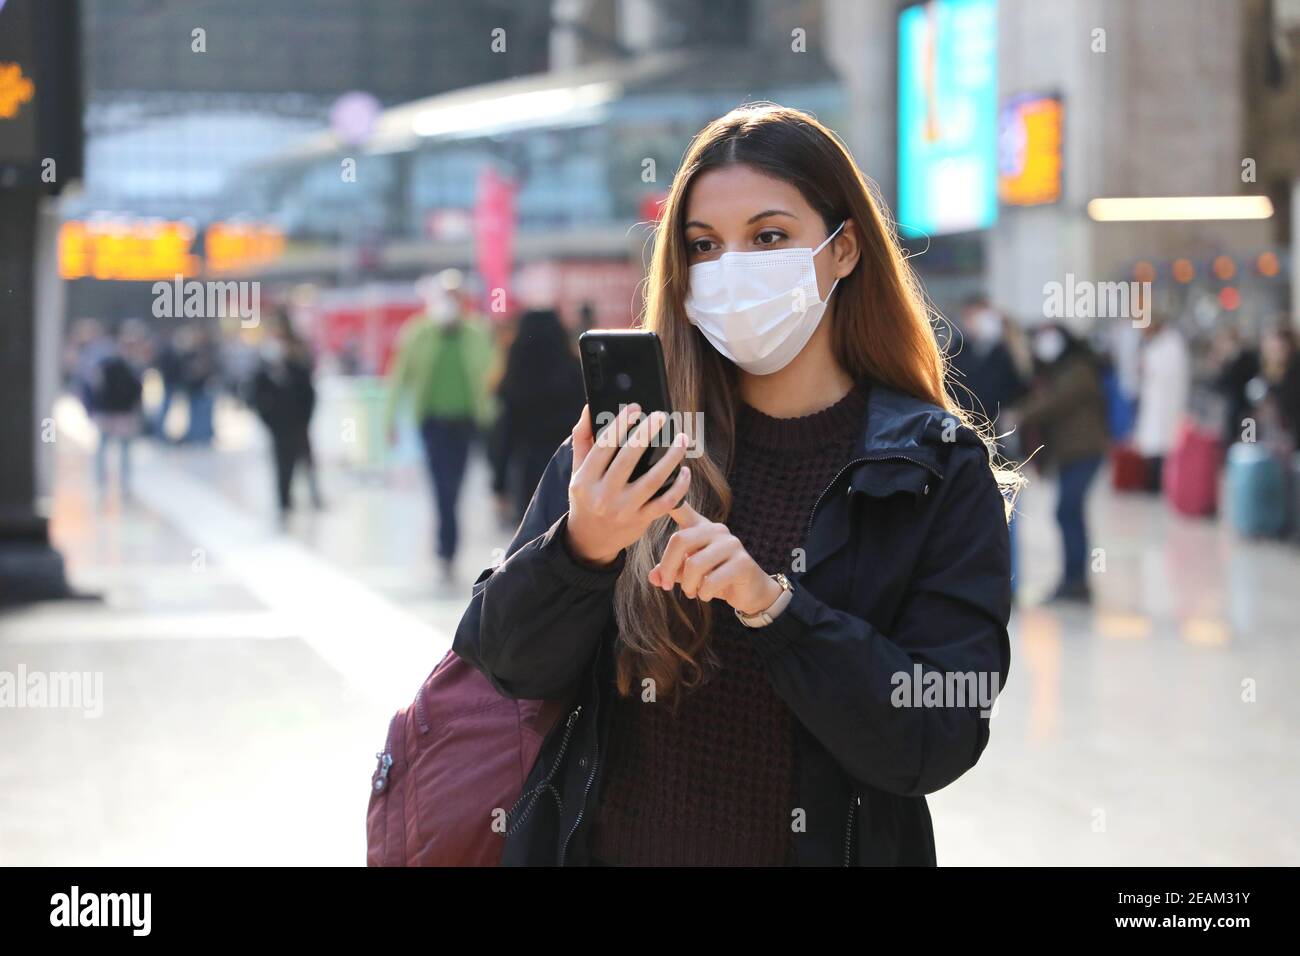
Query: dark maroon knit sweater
x,y
714,785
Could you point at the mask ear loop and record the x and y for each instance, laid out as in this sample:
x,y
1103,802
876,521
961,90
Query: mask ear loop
x,y
830,237
819,249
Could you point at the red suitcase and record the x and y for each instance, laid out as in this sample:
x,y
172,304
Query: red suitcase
x,y
1128,469
1191,472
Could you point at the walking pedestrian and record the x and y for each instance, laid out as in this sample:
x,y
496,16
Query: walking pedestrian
x,y
115,393
1163,390
200,369
541,396
284,397
1281,372
1068,409
1233,367
987,379
441,368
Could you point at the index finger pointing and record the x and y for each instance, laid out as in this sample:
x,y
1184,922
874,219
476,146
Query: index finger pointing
x,y
686,516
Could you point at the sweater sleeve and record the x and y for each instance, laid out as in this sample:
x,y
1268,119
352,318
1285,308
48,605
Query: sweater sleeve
x,y
851,684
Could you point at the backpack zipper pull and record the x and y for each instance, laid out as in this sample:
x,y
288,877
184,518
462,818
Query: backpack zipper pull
x,y
381,772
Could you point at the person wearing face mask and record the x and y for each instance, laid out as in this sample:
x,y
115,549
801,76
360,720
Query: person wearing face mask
x,y
987,379
440,372
1068,409
741,653
1163,391
284,398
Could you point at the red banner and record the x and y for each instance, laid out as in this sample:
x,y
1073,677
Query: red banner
x,y
494,233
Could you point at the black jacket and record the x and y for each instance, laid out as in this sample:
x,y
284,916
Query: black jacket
x,y
907,564
989,379
283,396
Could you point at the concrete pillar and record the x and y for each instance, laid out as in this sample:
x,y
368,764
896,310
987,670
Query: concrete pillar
x,y
862,46
30,569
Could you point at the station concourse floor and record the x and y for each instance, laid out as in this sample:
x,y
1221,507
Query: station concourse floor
x,y
249,674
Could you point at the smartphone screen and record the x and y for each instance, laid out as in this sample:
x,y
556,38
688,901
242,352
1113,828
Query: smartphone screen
x,y
620,368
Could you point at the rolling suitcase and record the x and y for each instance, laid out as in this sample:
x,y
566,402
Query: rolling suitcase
x,y
1191,472
1257,490
1128,469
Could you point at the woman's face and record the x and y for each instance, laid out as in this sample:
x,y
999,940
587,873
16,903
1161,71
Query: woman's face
x,y
739,209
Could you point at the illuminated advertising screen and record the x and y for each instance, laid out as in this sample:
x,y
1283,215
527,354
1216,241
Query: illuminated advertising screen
x,y
947,116
1029,150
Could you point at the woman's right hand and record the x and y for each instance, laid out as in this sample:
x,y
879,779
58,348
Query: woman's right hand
x,y
606,511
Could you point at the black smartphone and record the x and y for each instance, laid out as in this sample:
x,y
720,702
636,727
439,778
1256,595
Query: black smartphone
x,y
622,367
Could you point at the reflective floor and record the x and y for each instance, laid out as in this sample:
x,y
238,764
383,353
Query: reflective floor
x,y
248,676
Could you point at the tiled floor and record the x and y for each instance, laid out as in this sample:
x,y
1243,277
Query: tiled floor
x,y
248,677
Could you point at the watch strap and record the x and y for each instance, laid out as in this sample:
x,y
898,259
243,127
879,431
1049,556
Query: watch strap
x,y
769,614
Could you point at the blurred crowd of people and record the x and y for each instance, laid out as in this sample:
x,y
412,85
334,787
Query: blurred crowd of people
x,y
191,365
1136,393
515,388
1059,402
106,370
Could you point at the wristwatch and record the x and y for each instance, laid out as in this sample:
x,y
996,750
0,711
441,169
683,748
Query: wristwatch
x,y
766,617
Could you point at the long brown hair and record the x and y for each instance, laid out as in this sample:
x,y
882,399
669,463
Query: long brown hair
x,y
881,329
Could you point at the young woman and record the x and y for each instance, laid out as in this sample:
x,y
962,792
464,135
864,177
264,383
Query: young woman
x,y
746,652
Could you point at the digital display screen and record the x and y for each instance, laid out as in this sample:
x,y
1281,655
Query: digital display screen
x,y
1029,150
17,84
947,116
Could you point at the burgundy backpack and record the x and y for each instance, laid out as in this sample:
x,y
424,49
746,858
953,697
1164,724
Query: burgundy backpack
x,y
452,768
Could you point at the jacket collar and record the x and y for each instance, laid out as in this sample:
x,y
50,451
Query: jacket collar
x,y
903,435
903,448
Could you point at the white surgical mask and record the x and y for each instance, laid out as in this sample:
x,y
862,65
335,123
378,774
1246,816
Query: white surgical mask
x,y
273,350
985,326
442,308
758,309
1048,345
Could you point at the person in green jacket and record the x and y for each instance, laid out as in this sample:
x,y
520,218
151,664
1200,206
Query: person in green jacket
x,y
440,372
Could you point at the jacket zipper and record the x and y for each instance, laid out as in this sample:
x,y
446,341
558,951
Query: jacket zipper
x,y
855,462
582,809
854,802
595,760
546,783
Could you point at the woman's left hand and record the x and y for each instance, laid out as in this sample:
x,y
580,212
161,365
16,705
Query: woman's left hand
x,y
709,562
